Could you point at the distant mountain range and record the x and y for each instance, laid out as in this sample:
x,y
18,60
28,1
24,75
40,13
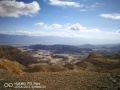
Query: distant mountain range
x,y
105,46
60,48
24,40
104,49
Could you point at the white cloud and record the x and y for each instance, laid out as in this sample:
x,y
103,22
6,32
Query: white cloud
x,y
76,27
94,30
56,26
23,32
118,31
87,35
95,5
36,33
64,3
40,24
15,8
53,26
79,27
91,7
111,16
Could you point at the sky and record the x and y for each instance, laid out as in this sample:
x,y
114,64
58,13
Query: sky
x,y
96,20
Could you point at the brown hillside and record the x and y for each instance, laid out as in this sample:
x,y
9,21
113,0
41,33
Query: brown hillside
x,y
98,62
11,66
14,54
44,68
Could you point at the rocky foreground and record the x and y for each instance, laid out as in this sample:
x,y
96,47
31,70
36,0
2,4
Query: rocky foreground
x,y
65,80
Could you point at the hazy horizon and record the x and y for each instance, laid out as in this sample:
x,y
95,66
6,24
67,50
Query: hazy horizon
x,y
45,40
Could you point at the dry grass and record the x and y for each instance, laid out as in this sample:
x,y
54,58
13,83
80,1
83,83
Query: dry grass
x,y
11,66
43,68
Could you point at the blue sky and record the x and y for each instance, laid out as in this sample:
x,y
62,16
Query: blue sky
x,y
88,19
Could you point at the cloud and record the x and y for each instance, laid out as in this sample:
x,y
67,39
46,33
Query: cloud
x,y
111,16
23,32
91,7
83,10
15,8
118,31
94,30
56,26
73,27
76,27
36,33
53,26
64,3
87,35
79,27
95,5
40,24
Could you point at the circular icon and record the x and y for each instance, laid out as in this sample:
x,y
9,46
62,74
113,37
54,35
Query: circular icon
x,y
8,85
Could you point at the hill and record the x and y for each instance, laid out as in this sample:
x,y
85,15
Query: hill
x,y
42,67
87,46
16,68
14,54
100,63
11,66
